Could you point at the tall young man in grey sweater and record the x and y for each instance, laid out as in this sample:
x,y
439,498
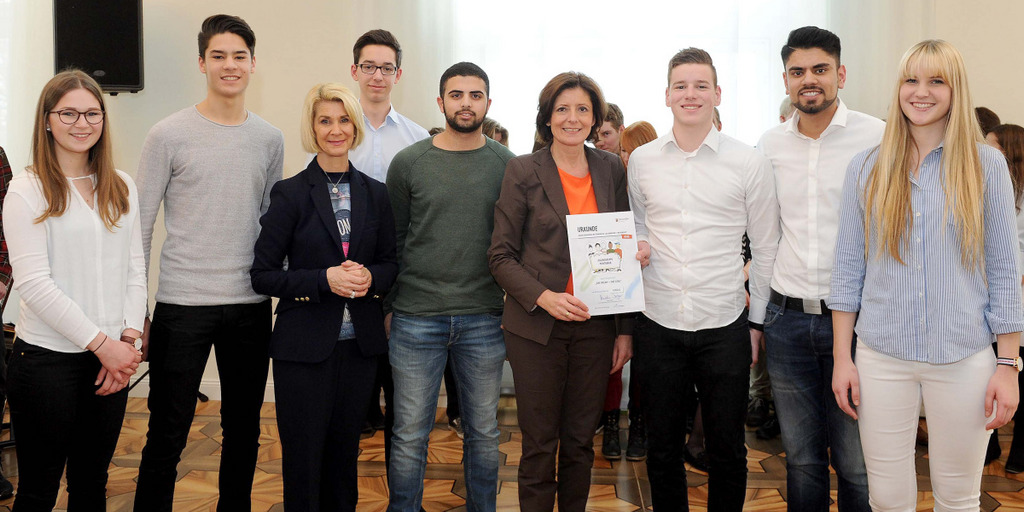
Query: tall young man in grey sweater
x,y
212,166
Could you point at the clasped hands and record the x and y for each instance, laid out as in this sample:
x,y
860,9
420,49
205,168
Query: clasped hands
x,y
349,280
120,360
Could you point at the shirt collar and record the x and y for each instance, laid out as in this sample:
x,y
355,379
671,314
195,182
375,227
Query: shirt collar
x,y
393,117
711,140
838,119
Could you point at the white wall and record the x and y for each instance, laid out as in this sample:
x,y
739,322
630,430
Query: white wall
x,y
300,43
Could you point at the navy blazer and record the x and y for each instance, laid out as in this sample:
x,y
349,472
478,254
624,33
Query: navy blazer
x,y
529,250
300,228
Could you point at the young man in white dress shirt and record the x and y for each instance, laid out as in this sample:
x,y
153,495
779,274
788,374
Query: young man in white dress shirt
x,y
809,154
377,67
694,192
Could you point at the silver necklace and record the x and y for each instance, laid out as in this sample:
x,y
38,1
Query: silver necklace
x,y
334,186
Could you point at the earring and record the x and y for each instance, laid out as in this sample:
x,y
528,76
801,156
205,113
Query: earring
x,y
47,128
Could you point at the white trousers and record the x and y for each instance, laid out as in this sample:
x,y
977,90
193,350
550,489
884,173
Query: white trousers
x,y
891,391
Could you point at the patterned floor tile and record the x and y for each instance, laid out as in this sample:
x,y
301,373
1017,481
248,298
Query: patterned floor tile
x,y
616,485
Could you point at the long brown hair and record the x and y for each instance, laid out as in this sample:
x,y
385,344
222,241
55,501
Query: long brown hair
x,y
111,190
1011,139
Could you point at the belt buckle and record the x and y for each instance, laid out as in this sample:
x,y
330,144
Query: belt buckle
x,y
812,306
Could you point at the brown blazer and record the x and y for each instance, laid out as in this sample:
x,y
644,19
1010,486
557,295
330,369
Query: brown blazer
x,y
530,247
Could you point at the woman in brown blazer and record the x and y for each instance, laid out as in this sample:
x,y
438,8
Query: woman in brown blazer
x,y
560,355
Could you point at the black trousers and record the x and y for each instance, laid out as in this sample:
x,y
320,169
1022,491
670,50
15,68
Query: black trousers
x,y
58,419
718,361
179,346
321,408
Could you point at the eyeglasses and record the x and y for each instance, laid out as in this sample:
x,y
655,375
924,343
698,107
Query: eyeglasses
x,y
386,69
70,116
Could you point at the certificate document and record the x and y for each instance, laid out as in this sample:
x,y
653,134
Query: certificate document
x,y
605,271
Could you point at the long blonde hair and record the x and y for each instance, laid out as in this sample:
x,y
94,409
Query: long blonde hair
x,y
887,195
111,190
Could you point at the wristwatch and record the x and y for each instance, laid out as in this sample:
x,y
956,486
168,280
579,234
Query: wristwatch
x,y
1015,362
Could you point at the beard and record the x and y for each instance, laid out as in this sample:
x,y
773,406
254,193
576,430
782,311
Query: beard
x,y
455,124
814,109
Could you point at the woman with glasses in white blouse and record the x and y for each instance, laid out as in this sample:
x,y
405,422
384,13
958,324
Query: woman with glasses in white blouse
x,y
926,275
71,223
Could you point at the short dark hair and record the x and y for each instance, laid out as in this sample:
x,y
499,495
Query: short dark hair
x,y
692,56
987,119
465,69
562,82
614,116
808,37
381,37
225,23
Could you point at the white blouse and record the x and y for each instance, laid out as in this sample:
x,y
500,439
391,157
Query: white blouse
x,y
74,276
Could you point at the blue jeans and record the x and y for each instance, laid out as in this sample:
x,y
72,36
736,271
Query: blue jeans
x,y
799,349
419,349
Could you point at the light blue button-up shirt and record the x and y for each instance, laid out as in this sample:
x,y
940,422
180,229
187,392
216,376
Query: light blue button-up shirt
x,y
930,308
380,145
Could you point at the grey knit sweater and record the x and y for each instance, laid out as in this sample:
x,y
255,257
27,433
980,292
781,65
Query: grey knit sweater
x,y
214,181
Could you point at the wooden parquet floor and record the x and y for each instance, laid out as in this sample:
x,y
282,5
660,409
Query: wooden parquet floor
x,y
617,486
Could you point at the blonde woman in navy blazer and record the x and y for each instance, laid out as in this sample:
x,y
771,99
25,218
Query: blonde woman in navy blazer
x,y
326,265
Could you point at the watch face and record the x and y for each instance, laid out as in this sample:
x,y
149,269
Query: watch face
x,y
1018,363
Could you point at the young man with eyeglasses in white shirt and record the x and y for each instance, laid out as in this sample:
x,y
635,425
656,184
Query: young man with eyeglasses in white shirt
x,y
809,154
377,66
694,192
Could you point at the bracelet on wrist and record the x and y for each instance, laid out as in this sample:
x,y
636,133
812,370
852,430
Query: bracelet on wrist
x,y
100,345
1014,362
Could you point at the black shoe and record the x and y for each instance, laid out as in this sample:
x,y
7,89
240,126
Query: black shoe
x,y
610,447
636,447
6,488
994,450
770,429
1015,460
698,461
455,425
758,412
375,418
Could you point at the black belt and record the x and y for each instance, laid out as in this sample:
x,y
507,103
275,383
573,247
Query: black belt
x,y
809,306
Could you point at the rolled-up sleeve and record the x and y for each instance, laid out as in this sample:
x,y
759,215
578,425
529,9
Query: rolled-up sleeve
x,y
1004,314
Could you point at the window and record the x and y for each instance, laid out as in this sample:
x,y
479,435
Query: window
x,y
627,51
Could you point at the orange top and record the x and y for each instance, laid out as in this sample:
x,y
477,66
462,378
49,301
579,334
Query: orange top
x,y
579,193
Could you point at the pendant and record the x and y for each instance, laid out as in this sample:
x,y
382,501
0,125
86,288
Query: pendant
x,y
335,190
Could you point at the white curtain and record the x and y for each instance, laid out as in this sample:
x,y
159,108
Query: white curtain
x,y
625,47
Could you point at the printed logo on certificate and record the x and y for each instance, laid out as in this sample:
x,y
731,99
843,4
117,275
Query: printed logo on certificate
x,y
605,272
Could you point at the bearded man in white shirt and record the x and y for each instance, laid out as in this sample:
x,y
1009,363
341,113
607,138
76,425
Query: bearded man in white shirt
x,y
809,154
694,192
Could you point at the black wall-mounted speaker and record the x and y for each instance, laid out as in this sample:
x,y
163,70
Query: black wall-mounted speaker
x,y
103,38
